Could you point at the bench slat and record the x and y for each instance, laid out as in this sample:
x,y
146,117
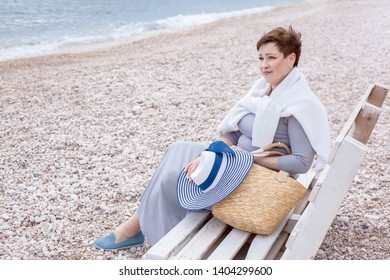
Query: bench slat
x,y
229,247
261,244
378,95
349,124
172,241
291,223
375,95
274,251
365,122
202,241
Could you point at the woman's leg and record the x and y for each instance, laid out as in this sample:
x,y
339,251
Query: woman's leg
x,y
127,235
159,209
128,229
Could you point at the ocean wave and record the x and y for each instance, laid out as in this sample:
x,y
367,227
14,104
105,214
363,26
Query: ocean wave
x,y
180,21
43,46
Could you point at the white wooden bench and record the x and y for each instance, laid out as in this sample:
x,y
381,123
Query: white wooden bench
x,y
299,236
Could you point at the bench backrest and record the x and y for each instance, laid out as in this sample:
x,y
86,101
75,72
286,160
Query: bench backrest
x,y
333,183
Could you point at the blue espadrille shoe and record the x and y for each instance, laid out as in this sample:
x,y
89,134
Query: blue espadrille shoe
x,y
108,242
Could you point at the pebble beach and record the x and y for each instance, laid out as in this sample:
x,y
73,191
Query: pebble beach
x,y
82,131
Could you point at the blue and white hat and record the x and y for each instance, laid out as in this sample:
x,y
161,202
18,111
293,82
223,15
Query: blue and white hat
x,y
221,170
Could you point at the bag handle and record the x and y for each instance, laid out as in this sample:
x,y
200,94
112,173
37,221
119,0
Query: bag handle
x,y
263,152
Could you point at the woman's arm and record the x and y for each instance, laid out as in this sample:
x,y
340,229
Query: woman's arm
x,y
269,162
227,141
302,153
230,138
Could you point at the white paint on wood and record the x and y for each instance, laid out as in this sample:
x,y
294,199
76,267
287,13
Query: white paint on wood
x,y
349,125
319,183
229,247
202,241
291,223
312,227
261,244
274,251
172,241
307,178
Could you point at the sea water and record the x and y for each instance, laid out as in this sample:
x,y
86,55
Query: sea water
x,y
33,27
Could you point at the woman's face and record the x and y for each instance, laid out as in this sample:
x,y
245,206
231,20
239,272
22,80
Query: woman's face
x,y
273,65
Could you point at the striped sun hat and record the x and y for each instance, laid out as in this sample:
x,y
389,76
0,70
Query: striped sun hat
x,y
221,170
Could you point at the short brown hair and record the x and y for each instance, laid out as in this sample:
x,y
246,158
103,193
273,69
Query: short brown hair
x,y
287,40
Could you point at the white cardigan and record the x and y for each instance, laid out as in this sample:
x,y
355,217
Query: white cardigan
x,y
291,97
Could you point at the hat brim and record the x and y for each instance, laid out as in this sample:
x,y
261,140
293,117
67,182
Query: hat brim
x,y
191,197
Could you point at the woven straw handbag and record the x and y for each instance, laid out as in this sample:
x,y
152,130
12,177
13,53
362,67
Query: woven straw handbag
x,y
263,199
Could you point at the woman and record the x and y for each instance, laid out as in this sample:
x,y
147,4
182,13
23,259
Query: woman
x,y
280,107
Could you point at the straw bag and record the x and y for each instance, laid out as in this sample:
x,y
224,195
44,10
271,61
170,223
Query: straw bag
x,y
263,199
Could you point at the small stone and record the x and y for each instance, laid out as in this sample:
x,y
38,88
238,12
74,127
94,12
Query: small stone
x,y
5,226
5,217
373,217
31,189
15,208
75,190
53,193
343,219
320,252
46,252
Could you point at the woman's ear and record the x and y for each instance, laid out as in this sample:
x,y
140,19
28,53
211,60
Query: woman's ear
x,y
292,57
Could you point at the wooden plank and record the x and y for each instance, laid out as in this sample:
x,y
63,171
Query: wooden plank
x,y
274,251
302,204
202,241
374,95
378,95
291,223
319,183
306,180
312,227
174,239
365,122
261,244
349,124
229,247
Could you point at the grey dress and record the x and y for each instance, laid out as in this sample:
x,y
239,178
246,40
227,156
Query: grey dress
x,y
159,209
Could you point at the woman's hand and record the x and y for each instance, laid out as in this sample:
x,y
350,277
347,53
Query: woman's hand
x,y
191,167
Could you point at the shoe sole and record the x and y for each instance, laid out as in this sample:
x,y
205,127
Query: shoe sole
x,y
120,248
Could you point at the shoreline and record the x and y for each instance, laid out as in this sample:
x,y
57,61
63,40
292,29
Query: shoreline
x,y
82,133
109,43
